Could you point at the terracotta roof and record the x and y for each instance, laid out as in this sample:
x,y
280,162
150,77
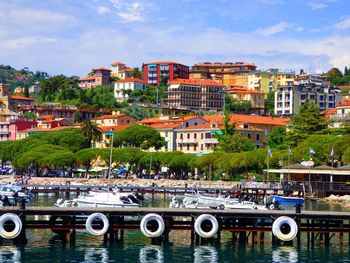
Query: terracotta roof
x,y
19,97
165,126
117,63
114,128
88,78
107,117
106,69
344,104
130,80
45,117
207,82
170,120
253,119
127,69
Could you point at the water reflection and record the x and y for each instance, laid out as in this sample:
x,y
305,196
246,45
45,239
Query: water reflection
x,y
93,255
285,254
205,254
151,254
10,254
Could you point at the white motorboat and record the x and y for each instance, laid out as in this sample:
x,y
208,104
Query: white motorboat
x,y
107,199
238,204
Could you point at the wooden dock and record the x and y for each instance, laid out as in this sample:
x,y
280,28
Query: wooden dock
x,y
246,226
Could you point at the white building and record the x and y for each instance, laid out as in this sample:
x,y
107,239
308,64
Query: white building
x,y
288,99
127,84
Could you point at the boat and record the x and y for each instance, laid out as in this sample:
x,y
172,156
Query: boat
x,y
107,199
287,200
238,204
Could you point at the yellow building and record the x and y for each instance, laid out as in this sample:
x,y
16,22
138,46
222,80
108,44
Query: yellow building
x,y
255,98
114,120
279,78
259,80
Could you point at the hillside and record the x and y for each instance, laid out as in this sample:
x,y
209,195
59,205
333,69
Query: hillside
x,y
23,77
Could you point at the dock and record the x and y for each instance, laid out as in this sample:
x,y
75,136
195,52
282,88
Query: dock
x,y
245,226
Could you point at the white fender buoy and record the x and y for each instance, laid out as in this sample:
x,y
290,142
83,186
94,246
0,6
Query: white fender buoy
x,y
152,217
16,220
277,225
93,217
198,225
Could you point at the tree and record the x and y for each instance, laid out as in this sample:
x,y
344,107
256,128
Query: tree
x,y
139,136
92,131
77,117
335,76
228,129
86,156
277,137
270,102
136,73
307,121
234,143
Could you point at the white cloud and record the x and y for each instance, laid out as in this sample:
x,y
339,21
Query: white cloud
x,y
129,12
316,5
271,30
103,10
26,16
345,24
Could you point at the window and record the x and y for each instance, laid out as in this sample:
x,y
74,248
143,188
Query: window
x,y
194,147
166,134
249,135
202,147
195,135
202,136
257,137
188,135
188,147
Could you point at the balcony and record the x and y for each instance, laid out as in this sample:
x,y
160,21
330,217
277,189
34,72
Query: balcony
x,y
191,140
210,140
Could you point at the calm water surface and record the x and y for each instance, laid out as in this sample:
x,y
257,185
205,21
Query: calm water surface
x,y
44,246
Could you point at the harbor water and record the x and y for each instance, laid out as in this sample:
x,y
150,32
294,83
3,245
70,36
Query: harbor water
x,y
45,246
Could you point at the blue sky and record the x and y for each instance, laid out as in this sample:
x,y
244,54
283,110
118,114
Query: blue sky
x,y
73,36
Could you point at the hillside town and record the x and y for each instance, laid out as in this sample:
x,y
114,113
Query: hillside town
x,y
191,112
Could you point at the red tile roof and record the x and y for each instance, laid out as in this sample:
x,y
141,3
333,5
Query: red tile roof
x,y
344,104
88,78
165,126
19,97
171,120
107,117
202,82
114,128
45,117
127,69
117,63
106,69
131,80
253,119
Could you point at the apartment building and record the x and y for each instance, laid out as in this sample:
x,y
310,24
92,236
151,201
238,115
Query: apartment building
x,y
226,73
127,84
288,99
155,72
202,139
280,78
259,80
192,94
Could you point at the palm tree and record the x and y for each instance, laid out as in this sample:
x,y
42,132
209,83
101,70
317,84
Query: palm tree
x,y
92,131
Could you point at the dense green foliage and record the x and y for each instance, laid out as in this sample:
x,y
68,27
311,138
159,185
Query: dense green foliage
x,y
139,136
305,123
277,138
337,77
22,78
236,106
270,102
91,131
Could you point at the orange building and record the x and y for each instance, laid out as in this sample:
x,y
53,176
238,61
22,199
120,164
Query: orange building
x,y
229,73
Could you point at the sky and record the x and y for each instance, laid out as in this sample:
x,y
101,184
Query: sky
x,y
73,36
